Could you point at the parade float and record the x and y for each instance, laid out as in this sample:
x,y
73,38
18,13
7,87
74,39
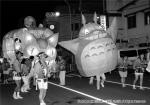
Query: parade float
x,y
95,50
30,41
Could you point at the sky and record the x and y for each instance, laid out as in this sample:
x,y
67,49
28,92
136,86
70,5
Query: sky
x,y
13,12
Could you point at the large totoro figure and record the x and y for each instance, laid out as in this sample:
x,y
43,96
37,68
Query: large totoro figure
x,y
95,50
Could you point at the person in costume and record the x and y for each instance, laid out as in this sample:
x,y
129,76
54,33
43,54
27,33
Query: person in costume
x,y
123,67
17,75
100,79
62,69
139,67
42,73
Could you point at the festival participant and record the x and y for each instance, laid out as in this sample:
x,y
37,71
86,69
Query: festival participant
x,y
25,68
100,79
123,67
17,75
42,72
62,69
139,66
5,66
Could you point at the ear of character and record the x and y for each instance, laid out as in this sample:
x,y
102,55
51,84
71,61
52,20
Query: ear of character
x,y
112,30
53,39
95,18
83,19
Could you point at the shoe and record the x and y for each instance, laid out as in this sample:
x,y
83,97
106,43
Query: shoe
x,y
123,85
61,84
15,96
25,91
134,87
42,103
22,89
141,88
98,88
102,84
18,95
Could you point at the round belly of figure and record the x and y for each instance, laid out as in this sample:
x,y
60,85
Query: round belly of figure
x,y
98,57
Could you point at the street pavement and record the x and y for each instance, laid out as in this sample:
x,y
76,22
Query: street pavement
x,y
77,91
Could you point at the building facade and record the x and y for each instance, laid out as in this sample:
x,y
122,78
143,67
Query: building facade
x,y
134,23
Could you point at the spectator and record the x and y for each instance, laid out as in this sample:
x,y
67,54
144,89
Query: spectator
x,y
139,67
62,70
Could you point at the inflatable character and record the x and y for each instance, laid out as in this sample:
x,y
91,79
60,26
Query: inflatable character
x,y
30,42
95,50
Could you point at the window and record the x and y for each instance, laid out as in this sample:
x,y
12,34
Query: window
x,y
131,21
76,26
130,53
72,27
142,51
147,18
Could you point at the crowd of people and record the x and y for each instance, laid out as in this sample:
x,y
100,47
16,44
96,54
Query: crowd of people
x,y
139,66
23,69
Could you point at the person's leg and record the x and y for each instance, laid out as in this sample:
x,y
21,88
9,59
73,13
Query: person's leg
x,y
26,84
15,91
103,79
23,86
121,77
63,77
44,94
135,80
98,82
18,89
91,80
0,77
41,96
141,81
124,79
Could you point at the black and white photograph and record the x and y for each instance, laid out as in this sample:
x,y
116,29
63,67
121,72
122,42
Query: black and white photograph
x,y
75,52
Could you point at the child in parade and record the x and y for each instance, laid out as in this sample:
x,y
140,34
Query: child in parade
x,y
17,75
139,67
123,66
42,73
